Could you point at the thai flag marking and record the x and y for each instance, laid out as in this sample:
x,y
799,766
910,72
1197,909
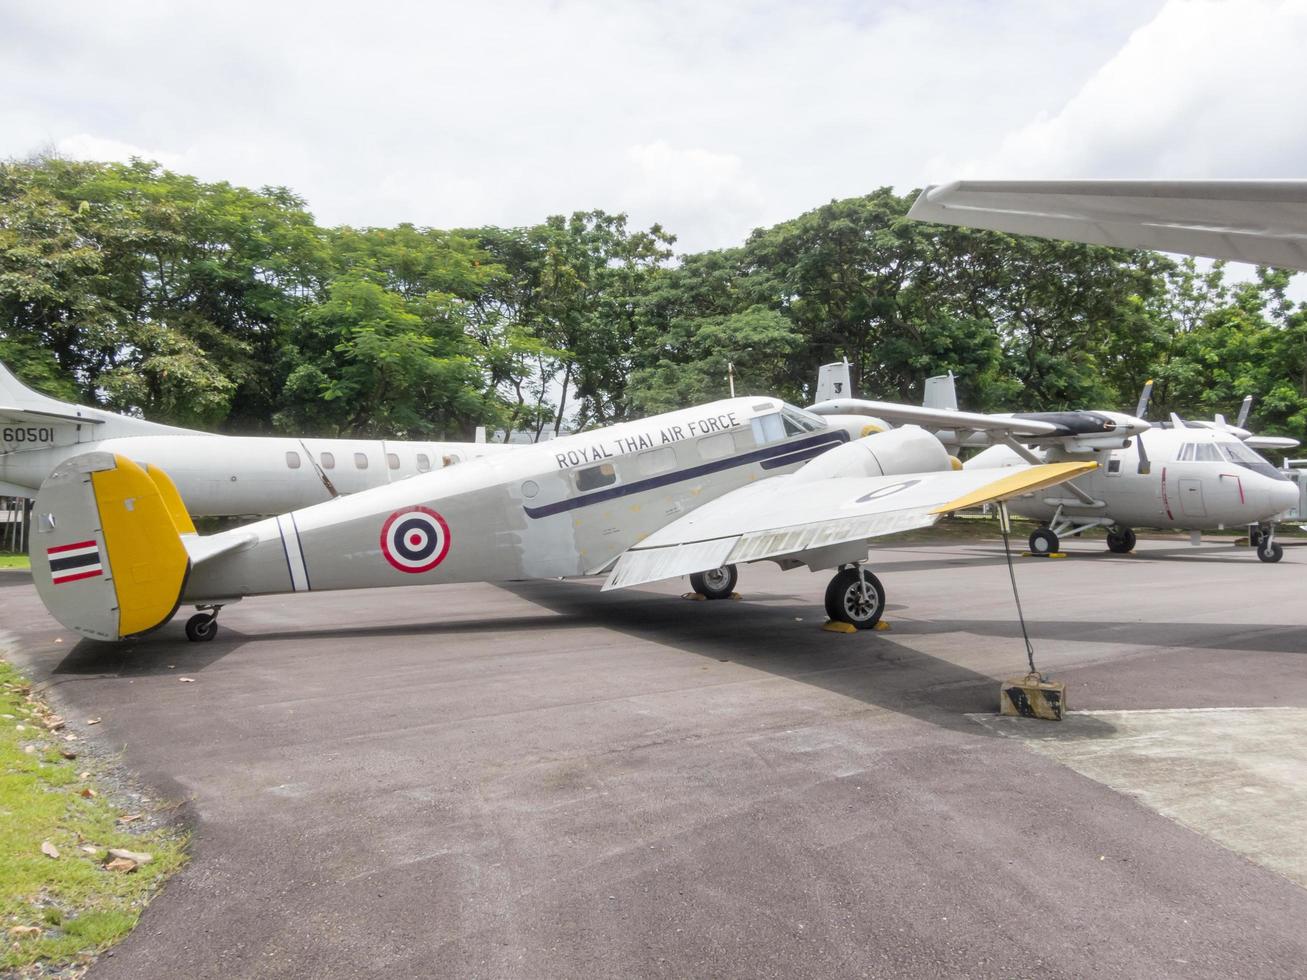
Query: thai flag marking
x,y
74,562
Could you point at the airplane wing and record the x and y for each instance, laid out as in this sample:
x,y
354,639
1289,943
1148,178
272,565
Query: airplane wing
x,y
786,517
936,418
1259,221
31,416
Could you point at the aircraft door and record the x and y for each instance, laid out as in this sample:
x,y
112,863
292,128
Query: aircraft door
x,y
1191,498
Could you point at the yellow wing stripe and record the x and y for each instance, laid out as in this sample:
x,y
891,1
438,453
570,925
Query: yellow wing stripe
x,y
147,559
1016,483
172,499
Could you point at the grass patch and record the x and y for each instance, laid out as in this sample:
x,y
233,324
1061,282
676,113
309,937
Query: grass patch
x,y
8,560
60,910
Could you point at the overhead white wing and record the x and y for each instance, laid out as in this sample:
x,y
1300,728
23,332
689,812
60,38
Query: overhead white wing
x,y
935,418
1258,221
808,521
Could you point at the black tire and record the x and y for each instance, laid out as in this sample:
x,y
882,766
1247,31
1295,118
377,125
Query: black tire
x,y
201,627
1121,541
1270,551
719,583
846,604
1043,541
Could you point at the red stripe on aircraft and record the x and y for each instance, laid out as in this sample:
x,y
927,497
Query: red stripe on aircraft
x,y
73,578
70,547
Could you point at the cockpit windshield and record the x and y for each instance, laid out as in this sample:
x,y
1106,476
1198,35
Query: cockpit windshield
x,y
797,420
1241,455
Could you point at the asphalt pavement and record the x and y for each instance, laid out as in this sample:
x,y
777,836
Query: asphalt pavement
x,y
542,780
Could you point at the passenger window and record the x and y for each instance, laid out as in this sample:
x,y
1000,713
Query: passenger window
x,y
392,461
594,477
768,428
716,446
328,461
361,460
293,460
657,461
451,459
743,440
424,463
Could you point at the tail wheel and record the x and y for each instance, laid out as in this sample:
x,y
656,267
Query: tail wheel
x,y
1270,551
1121,540
202,627
1043,541
718,583
855,597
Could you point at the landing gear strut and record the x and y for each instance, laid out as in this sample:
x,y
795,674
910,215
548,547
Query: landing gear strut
x,y
203,626
719,583
1268,549
1120,540
855,596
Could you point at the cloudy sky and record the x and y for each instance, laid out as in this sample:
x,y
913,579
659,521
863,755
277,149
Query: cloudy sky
x,y
712,118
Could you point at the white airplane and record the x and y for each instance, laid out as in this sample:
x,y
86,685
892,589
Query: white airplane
x,y
217,476
691,492
1193,478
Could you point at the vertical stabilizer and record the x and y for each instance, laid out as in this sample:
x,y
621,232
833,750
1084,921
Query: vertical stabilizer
x,y
940,392
833,381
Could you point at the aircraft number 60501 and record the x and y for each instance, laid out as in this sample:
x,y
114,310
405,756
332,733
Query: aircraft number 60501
x,y
30,433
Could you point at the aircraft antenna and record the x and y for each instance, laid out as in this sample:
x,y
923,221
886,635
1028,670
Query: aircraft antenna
x,y
1003,525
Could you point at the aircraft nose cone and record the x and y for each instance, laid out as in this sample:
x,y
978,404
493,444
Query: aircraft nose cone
x,y
1284,494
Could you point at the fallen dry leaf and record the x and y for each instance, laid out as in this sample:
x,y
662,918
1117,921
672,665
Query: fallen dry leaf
x,y
87,792
83,775
49,850
136,857
29,749
129,817
186,680
68,753
22,931
93,721
90,849
120,864
70,737
54,723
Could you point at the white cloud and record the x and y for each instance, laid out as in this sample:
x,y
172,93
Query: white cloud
x,y
1208,88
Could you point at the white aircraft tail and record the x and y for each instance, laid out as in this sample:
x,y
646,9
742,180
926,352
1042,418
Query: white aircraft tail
x,y
833,381
940,392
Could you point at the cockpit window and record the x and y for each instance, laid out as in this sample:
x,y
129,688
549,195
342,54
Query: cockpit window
x,y
797,420
1206,452
1186,452
1241,455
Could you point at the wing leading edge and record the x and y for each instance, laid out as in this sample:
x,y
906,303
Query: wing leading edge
x,y
816,523
1259,221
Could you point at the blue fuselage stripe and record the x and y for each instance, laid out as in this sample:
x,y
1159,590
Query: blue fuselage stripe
x,y
772,457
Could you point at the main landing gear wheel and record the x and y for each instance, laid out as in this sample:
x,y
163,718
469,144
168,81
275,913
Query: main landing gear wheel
x,y
1043,541
1269,550
719,583
202,627
1121,540
856,597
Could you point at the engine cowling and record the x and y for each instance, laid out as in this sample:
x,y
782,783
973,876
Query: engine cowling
x,y
908,449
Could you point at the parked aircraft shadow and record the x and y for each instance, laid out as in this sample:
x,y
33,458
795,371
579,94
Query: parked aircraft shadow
x,y
870,667
166,652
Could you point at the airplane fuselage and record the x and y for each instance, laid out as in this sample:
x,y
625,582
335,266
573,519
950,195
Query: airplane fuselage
x,y
564,508
1197,479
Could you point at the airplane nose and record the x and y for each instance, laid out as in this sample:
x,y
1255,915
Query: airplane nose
x,y
1284,494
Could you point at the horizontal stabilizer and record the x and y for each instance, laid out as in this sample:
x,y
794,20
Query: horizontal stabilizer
x,y
13,415
107,556
808,521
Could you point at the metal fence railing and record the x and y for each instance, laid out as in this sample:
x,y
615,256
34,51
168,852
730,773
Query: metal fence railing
x,y
15,523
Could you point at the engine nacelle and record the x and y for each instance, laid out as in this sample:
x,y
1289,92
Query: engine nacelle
x,y
908,449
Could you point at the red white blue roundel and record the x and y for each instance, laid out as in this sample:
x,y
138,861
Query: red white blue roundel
x,y
415,539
